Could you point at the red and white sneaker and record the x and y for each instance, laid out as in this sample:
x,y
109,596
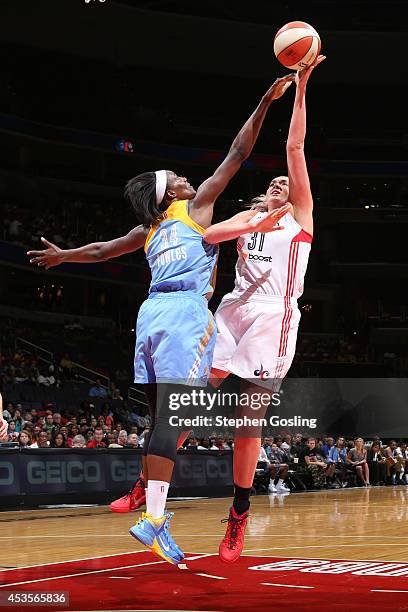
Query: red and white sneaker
x,y
233,542
132,500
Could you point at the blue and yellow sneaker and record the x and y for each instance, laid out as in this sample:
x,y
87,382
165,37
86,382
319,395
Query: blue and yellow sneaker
x,y
155,535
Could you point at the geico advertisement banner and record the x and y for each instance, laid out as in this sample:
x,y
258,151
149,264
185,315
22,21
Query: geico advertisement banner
x,y
62,471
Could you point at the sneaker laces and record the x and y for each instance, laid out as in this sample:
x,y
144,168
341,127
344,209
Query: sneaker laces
x,y
139,484
234,526
169,516
140,519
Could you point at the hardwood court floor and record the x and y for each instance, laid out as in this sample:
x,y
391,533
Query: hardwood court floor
x,y
358,524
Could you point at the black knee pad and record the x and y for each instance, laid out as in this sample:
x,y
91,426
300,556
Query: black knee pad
x,y
163,440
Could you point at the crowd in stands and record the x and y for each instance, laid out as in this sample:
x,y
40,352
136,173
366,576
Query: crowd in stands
x,y
305,463
71,347
330,349
65,222
326,463
47,428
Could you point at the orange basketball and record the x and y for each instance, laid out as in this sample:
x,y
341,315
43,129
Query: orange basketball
x,y
296,45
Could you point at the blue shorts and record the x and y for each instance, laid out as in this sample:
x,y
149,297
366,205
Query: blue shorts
x,y
175,339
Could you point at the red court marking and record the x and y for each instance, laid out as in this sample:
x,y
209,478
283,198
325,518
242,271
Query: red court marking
x,y
298,584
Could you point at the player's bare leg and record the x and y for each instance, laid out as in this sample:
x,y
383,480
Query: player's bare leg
x,y
246,452
217,377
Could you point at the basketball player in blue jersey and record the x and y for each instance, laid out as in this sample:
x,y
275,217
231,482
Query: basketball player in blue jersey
x,y
175,334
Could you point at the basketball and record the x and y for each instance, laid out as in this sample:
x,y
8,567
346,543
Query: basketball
x,y
296,45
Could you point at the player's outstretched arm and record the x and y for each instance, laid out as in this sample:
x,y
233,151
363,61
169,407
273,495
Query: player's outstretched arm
x,y
245,222
201,208
299,185
90,253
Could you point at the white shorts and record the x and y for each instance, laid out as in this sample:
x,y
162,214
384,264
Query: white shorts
x,y
256,338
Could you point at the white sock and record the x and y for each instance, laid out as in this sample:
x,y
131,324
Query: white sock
x,y
280,482
156,500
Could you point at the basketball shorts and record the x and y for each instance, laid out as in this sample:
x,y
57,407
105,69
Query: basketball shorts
x,y
175,339
256,338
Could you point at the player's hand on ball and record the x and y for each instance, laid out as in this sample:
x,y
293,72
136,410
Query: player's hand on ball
x,y
268,222
50,257
302,76
279,87
3,429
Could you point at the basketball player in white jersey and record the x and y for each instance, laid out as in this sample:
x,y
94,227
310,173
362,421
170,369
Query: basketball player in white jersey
x,y
258,321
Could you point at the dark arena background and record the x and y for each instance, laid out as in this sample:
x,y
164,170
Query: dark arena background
x,y
94,92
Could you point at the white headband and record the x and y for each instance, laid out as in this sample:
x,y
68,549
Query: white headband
x,y
161,184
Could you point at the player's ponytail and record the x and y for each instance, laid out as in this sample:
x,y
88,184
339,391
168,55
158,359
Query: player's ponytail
x,y
258,203
140,192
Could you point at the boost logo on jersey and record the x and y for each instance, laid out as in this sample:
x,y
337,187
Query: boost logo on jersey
x,y
267,258
263,374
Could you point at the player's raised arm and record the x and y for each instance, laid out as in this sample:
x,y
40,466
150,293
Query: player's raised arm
x,y
300,194
201,207
246,222
90,253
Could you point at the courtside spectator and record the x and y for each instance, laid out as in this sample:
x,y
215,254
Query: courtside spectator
x,y
357,459
28,418
97,439
6,412
57,419
64,430
122,437
58,440
313,459
395,464
377,464
404,455
297,447
265,465
278,460
97,390
24,439
132,441
42,441
328,444
12,431
287,444
213,445
78,441
193,444
18,420
338,457
49,423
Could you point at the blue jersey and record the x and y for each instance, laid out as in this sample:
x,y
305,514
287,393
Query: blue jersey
x,y
179,258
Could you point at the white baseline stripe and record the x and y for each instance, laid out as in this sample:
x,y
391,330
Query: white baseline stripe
x,y
133,552
387,591
110,569
322,546
209,576
289,586
351,560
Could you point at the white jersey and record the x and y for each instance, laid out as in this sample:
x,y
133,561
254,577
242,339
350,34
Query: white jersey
x,y
272,264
